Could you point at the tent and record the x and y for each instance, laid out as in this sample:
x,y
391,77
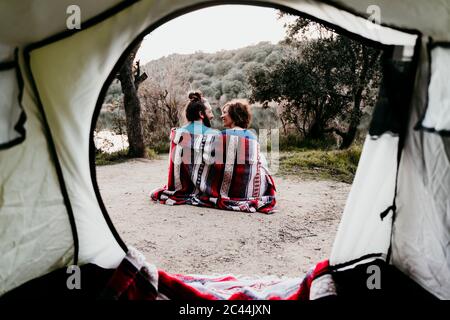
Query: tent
x,y
54,75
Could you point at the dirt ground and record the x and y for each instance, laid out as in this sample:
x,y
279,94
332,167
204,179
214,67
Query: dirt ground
x,y
193,240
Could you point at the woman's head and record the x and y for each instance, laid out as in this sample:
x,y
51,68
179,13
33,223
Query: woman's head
x,y
196,110
236,113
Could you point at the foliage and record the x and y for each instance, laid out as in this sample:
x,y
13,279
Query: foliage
x,y
104,158
324,86
220,76
301,86
161,111
339,165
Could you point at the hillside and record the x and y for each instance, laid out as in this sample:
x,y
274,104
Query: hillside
x,y
220,75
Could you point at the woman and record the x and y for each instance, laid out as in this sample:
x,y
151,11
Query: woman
x,y
234,180
236,117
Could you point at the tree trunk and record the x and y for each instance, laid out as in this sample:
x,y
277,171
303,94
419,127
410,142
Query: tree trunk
x,y
316,131
132,106
355,117
348,137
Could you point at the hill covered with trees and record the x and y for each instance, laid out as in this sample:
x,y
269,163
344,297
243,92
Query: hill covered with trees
x,y
318,88
221,76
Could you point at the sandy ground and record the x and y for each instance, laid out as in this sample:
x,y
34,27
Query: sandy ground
x,y
193,240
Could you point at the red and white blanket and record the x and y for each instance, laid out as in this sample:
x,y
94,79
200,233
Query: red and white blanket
x,y
217,170
135,279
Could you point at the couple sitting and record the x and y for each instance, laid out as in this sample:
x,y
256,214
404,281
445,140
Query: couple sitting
x,y
224,170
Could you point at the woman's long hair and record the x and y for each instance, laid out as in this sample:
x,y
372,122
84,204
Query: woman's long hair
x,y
240,112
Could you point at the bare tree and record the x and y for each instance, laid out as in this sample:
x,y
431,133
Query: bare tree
x,y
130,77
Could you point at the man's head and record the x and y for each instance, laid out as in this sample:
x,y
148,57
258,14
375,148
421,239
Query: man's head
x,y
209,111
199,95
196,110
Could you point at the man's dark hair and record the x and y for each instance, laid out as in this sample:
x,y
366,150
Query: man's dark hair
x,y
196,107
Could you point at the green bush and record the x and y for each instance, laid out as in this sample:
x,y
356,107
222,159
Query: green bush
x,y
161,146
339,165
104,158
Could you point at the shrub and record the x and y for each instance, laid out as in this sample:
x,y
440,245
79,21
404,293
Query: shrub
x,y
337,165
104,158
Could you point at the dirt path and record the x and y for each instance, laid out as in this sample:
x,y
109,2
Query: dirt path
x,y
187,239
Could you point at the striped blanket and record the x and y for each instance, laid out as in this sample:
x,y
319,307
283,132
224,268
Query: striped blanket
x,y
135,279
217,170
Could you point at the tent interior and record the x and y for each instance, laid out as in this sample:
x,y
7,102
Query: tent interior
x,y
53,81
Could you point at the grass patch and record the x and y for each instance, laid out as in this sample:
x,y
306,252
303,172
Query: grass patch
x,y
103,158
338,165
159,147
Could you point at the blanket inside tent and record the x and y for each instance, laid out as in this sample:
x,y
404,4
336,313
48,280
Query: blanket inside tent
x,y
217,170
135,279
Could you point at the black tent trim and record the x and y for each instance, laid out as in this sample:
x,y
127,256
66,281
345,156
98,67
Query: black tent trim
x,y
117,9
84,25
402,139
20,125
419,126
55,159
337,267
6,65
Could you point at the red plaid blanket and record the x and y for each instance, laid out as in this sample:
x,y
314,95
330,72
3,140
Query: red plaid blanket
x,y
134,279
217,170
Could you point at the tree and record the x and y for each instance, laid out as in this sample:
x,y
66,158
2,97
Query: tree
x,y
323,85
130,79
160,112
162,98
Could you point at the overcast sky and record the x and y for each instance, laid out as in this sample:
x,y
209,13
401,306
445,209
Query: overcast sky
x,y
213,29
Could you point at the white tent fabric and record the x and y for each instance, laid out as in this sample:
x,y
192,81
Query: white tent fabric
x,y
431,17
420,235
35,234
68,76
42,19
352,23
372,192
69,90
29,21
437,116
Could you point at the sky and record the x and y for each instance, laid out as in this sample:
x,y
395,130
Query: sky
x,y
213,29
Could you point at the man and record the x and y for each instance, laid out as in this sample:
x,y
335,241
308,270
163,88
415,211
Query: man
x,y
209,112
199,114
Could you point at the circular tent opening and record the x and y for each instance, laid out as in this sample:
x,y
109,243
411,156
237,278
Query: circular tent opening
x,y
64,112
312,175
